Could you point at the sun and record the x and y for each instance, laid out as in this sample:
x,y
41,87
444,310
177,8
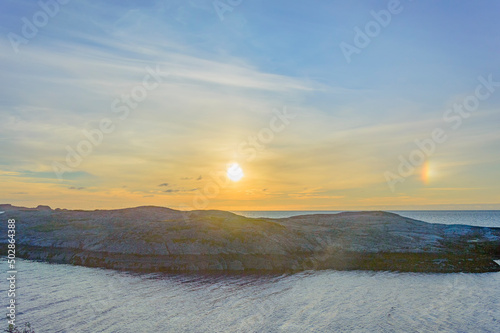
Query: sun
x,y
234,172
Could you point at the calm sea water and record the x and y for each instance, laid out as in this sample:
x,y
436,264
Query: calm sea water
x,y
63,298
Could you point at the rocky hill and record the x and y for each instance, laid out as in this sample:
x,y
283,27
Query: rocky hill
x,y
162,239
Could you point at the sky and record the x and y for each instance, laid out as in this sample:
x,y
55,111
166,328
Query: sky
x,y
315,105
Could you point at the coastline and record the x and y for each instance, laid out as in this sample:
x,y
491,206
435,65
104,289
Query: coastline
x,y
394,262
157,239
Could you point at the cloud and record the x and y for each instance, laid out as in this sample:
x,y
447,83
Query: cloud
x,y
72,175
191,178
9,173
223,83
179,190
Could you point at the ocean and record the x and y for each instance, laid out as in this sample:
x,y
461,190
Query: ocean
x,y
64,298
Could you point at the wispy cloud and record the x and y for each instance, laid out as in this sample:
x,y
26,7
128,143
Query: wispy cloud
x,y
224,81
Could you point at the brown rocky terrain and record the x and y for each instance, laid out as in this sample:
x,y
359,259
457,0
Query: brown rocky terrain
x,y
162,239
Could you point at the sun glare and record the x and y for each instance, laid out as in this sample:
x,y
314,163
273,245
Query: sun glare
x,y
234,172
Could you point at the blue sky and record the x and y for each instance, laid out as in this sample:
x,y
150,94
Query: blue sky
x,y
225,78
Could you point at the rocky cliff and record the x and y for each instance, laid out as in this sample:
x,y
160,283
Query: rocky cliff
x,y
162,239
